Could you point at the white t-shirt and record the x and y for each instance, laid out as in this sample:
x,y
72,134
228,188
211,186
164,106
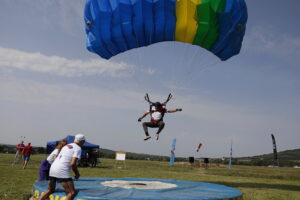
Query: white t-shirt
x,y
157,115
52,156
61,166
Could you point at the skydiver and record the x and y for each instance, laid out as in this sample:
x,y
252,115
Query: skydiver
x,y
156,111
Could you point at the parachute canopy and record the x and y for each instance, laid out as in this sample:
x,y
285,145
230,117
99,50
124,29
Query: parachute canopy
x,y
115,26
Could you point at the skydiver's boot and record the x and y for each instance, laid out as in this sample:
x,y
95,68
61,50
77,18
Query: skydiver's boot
x,y
146,131
147,137
157,136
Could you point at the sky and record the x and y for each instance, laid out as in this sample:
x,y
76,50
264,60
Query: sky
x,y
51,86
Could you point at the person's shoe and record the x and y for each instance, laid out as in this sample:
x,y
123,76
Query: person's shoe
x,y
147,138
157,136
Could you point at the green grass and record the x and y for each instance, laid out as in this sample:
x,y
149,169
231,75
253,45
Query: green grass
x,y
257,183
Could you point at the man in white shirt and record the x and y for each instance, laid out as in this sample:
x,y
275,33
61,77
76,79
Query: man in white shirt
x,y
157,112
61,167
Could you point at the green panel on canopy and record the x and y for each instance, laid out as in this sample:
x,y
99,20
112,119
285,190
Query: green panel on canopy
x,y
218,5
207,32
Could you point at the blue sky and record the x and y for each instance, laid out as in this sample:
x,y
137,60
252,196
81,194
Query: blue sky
x,y
51,86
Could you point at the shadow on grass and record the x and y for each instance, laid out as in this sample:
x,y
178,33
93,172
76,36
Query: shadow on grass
x,y
104,167
97,167
261,185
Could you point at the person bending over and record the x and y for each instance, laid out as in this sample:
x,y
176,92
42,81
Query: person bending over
x,y
46,164
61,167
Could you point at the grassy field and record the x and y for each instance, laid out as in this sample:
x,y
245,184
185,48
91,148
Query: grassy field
x,y
257,183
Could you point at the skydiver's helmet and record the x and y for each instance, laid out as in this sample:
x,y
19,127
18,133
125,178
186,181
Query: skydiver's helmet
x,y
157,104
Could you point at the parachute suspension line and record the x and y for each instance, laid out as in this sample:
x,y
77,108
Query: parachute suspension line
x,y
167,100
203,68
146,97
138,71
133,71
175,67
140,66
189,67
192,67
178,67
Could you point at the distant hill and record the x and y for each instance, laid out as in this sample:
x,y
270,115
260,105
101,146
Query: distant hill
x,y
286,158
106,153
283,155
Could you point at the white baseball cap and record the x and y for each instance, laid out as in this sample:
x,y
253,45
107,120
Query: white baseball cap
x,y
79,137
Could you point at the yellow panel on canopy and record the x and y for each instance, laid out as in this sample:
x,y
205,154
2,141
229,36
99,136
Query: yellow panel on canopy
x,y
186,24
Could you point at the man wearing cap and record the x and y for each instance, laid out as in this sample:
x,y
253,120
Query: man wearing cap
x,y
61,167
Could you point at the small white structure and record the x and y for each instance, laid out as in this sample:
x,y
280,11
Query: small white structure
x,y
120,158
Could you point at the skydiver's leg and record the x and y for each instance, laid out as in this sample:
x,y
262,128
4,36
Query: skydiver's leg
x,y
145,126
160,126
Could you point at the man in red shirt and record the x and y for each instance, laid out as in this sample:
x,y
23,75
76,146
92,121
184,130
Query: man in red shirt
x,y
18,155
26,154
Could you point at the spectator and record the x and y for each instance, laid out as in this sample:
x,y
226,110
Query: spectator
x,y
45,165
26,154
18,155
60,169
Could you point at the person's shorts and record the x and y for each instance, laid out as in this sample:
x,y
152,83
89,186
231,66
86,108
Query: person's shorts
x,y
26,158
59,180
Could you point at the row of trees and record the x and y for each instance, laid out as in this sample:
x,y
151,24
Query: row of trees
x,y
287,158
12,149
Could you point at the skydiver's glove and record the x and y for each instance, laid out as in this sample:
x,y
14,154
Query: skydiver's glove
x,y
140,119
179,109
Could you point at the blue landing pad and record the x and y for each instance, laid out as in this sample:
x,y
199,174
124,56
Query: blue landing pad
x,y
141,189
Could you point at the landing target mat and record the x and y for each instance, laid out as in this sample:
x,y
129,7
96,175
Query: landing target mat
x,y
141,188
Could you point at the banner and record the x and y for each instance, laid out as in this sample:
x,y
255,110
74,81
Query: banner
x,y
172,155
274,148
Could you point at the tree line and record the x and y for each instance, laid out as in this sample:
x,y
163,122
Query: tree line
x,y
287,158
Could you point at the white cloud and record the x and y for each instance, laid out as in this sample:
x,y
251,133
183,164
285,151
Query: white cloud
x,y
37,62
195,107
266,40
32,92
149,71
204,120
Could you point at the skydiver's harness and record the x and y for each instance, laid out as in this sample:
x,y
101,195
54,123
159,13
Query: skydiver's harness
x,y
161,110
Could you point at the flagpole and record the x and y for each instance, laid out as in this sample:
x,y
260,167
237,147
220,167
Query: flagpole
x,y
230,159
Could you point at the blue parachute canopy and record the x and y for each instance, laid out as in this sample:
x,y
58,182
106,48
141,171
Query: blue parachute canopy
x,y
115,26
